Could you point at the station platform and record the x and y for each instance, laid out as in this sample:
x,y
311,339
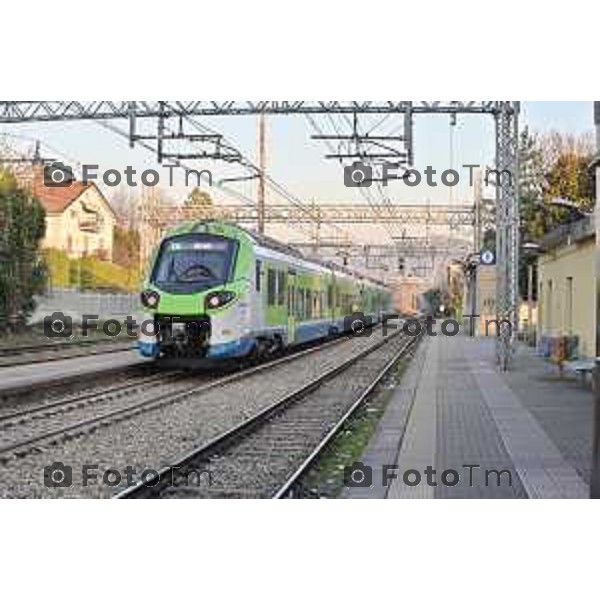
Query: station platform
x,y
48,372
522,434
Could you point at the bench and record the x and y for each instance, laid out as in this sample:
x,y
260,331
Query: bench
x,y
581,367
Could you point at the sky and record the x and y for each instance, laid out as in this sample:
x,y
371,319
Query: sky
x,y
297,161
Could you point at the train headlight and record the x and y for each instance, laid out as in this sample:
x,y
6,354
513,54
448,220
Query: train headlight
x,y
150,299
218,299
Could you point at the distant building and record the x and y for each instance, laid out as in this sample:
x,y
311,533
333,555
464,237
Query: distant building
x,y
567,284
79,219
408,294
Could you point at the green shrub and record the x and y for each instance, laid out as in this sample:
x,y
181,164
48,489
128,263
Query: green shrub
x,y
89,273
58,266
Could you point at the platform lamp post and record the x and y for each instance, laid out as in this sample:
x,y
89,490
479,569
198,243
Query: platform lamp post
x,y
595,478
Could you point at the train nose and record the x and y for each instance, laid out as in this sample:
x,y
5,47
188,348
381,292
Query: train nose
x,y
187,336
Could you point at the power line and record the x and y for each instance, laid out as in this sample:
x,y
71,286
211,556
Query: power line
x,y
269,180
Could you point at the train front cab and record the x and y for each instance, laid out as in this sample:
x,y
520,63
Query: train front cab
x,y
197,297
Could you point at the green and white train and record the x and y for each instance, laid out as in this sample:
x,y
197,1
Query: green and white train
x,y
215,290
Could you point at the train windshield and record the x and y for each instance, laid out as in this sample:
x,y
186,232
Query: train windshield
x,y
194,262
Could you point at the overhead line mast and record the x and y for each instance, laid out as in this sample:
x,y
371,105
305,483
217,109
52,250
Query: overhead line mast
x,y
262,165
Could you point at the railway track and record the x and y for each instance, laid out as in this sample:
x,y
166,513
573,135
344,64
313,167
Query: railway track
x,y
268,454
23,429
28,430
70,384
52,351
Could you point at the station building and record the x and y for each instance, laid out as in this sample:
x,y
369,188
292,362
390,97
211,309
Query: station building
x,y
566,285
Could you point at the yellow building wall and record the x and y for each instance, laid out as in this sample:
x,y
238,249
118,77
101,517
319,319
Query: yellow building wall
x,y
569,313
64,230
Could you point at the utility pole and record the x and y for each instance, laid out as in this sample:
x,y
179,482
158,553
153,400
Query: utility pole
x,y
595,478
453,122
262,160
477,242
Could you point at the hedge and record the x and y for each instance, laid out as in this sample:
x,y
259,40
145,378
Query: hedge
x,y
89,273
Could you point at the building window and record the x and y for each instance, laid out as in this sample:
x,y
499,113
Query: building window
x,y
549,306
569,306
541,312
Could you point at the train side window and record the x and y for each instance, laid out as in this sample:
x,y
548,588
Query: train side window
x,y
291,307
299,303
281,287
258,275
304,304
271,287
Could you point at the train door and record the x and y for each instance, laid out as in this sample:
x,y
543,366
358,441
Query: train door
x,y
331,299
292,303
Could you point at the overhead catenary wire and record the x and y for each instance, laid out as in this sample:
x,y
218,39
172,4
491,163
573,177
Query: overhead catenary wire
x,y
270,182
365,191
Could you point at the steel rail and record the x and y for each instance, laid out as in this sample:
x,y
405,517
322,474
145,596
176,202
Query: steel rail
x,y
160,401
19,349
37,357
287,488
154,485
21,414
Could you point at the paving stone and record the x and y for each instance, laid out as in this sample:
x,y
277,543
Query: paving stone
x,y
528,432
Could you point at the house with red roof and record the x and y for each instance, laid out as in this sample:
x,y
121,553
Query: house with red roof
x,y
79,219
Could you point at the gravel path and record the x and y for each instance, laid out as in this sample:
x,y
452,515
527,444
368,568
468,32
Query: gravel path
x,y
155,439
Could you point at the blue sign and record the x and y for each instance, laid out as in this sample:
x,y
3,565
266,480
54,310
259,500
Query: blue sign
x,y
487,257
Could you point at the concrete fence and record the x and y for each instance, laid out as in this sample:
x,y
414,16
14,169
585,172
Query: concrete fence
x,y
75,304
